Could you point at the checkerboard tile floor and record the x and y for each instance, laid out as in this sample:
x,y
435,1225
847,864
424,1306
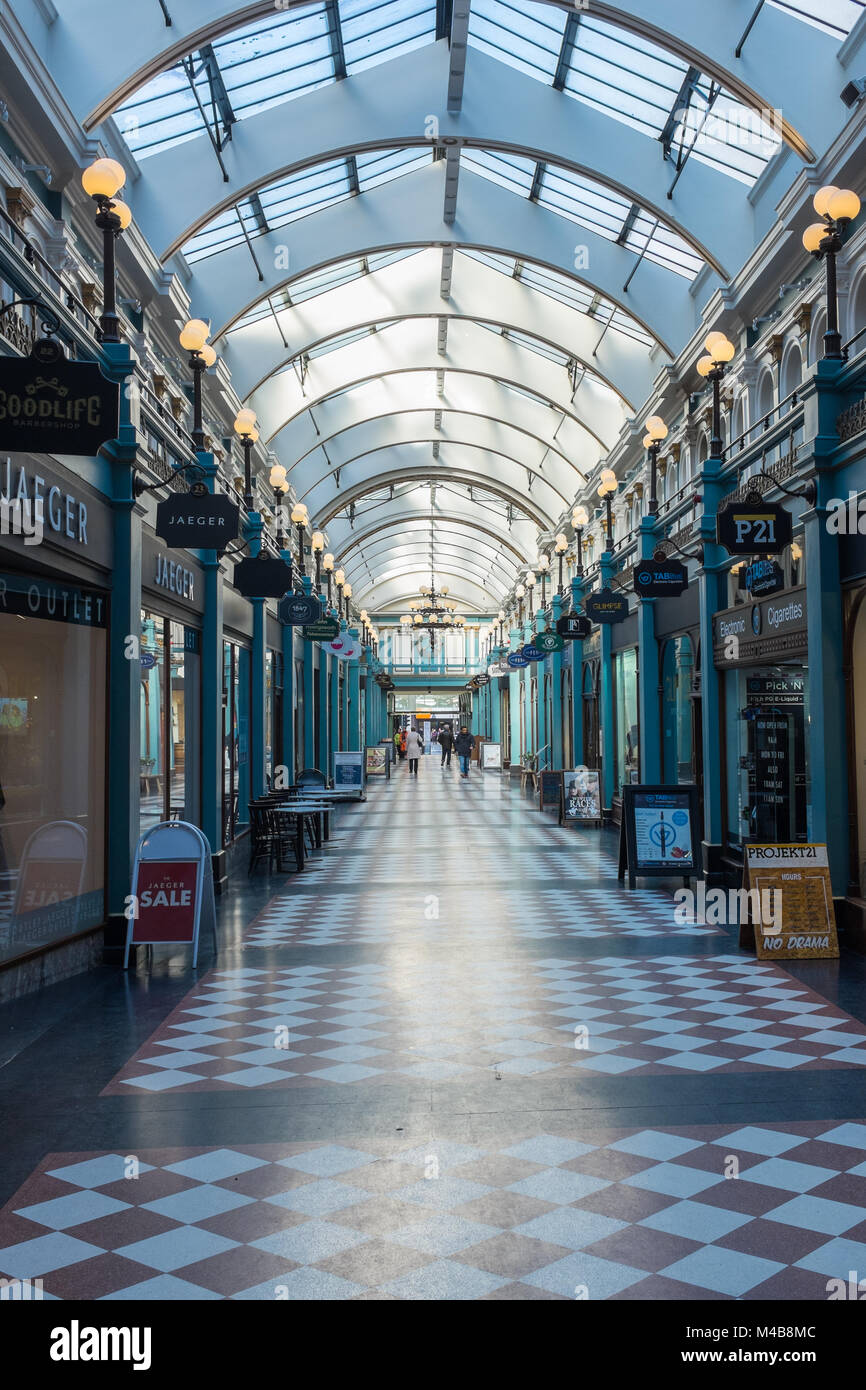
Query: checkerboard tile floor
x,y
476,915
424,1020
346,863
713,1212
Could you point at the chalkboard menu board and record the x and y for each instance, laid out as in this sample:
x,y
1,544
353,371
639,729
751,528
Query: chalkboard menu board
x,y
581,795
791,902
549,789
660,832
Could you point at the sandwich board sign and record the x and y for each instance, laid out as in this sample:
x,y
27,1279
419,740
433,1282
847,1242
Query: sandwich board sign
x,y
581,796
349,770
549,789
793,883
491,757
659,832
48,894
172,888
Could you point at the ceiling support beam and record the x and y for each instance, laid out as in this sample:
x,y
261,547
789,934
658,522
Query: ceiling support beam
x,y
452,175
458,40
442,337
447,272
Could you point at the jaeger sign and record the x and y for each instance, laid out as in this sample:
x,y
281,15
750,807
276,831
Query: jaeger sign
x,y
49,405
205,522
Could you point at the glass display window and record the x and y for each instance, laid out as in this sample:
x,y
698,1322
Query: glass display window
x,y
768,787
626,748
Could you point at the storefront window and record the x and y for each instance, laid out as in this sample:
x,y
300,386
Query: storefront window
x,y
677,678
766,717
236,739
626,760
52,761
167,767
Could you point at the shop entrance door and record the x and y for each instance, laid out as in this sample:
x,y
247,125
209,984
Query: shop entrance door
x,y
775,758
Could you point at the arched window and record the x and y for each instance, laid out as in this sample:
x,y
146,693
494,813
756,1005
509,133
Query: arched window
x,y
819,328
792,372
741,421
671,481
764,395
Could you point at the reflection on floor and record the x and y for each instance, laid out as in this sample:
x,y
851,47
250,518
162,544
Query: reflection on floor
x,y
452,1059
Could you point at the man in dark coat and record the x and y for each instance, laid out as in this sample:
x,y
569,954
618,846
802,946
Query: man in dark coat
x,y
446,743
464,743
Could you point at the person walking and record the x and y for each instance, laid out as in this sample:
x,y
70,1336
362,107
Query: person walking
x,y
413,749
402,743
446,743
398,740
464,743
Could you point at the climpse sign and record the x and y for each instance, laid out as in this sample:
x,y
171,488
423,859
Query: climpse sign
x,y
49,405
753,527
207,522
604,606
660,578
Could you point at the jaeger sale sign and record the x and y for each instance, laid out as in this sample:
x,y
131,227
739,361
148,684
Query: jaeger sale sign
x,y
166,895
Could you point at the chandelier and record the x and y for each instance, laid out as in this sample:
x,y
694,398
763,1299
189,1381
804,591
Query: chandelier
x,y
432,611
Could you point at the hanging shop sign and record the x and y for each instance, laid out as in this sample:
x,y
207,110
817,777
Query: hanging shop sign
x,y
497,669
207,521
343,646
581,796
295,610
517,660
172,888
604,606
49,405
549,642
660,578
659,832
574,627
764,577
790,902
481,680
262,576
753,527
323,630
532,652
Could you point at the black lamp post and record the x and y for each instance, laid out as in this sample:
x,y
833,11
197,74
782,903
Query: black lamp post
x,y
579,519
245,429
560,548
299,520
656,431
103,180
719,352
317,545
280,487
328,567
194,338
838,207
543,569
347,594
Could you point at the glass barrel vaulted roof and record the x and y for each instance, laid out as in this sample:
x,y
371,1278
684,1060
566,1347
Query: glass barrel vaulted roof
x,y
688,118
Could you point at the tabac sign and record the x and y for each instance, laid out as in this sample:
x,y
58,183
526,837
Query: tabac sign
x,y
49,405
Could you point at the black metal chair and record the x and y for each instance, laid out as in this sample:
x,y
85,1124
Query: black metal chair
x,y
312,777
263,843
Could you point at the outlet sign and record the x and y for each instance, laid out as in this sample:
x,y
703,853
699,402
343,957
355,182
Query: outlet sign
x,y
753,527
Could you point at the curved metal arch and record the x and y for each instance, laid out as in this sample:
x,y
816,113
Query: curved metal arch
x,y
452,518
480,564
444,536
492,219
433,367
325,440
446,312
427,473
450,474
673,28
478,573
496,589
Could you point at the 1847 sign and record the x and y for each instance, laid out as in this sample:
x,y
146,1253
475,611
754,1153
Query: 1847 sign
x,y
753,527
206,522
297,609
49,405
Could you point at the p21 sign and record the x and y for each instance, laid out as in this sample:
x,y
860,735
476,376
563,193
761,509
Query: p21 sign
x,y
753,527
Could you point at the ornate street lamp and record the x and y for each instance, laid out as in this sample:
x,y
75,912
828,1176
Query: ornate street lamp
x,y
317,545
656,431
500,616
579,519
328,567
247,433
543,569
347,594
299,519
193,338
277,480
519,592
838,207
339,580
719,352
103,180
560,548
606,489
530,594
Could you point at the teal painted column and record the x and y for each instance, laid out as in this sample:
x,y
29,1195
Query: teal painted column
x,y
556,742
333,708
579,752
514,699
826,731
712,590
124,668
540,671
288,713
258,781
323,753
605,700
648,698
353,702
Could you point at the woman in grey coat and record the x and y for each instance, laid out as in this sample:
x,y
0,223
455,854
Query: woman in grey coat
x,y
414,749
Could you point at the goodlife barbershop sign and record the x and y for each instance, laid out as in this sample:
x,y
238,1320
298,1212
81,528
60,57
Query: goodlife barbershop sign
x,y
49,405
